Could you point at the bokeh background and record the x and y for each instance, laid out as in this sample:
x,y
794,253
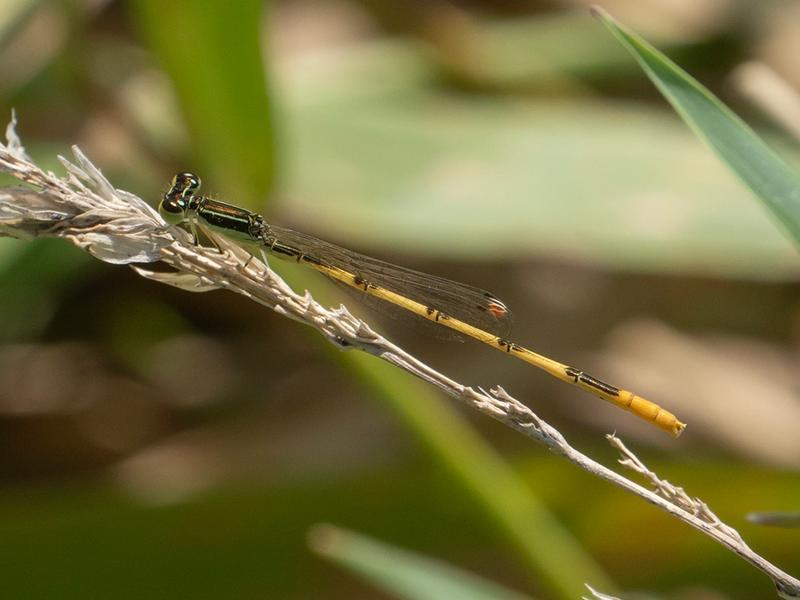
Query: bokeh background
x,y
160,444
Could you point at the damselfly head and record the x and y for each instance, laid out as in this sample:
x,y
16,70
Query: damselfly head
x,y
185,184
177,199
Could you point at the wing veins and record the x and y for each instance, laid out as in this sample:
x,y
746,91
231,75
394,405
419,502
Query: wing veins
x,y
464,302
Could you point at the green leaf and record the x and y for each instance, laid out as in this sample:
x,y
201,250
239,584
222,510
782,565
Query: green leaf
x,y
401,573
212,52
384,161
773,181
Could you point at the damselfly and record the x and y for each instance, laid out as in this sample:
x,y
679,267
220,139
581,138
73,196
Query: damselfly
x,y
465,309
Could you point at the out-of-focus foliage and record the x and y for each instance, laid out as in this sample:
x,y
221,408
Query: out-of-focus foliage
x,y
161,444
212,55
402,573
773,181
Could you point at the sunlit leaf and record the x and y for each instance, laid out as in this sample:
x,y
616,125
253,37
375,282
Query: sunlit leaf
x,y
401,573
773,181
387,162
212,52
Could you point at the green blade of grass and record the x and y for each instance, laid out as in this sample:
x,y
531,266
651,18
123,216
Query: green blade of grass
x,y
402,573
212,53
773,181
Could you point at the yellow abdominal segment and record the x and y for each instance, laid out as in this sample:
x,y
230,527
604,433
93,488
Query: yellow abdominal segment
x,y
642,408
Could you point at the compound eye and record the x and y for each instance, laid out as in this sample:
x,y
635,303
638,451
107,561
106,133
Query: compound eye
x,y
172,205
186,183
171,209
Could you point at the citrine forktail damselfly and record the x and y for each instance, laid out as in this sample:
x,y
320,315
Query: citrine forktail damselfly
x,y
465,309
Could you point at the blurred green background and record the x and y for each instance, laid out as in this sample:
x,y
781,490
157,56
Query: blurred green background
x,y
166,445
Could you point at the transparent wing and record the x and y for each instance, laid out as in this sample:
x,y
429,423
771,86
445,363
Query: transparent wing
x,y
466,303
